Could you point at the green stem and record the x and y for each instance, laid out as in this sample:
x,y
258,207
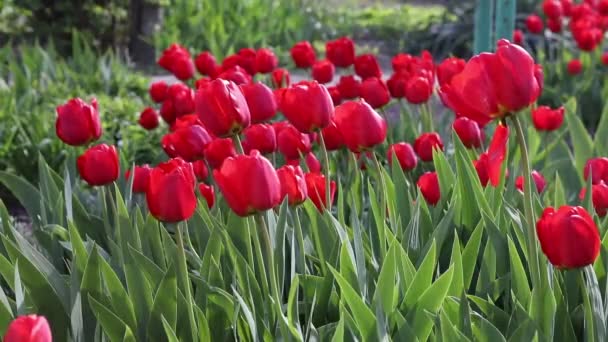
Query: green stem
x,y
237,142
268,257
427,119
327,179
301,261
183,271
381,232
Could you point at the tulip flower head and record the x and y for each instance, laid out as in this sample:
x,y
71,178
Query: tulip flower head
x,y
30,328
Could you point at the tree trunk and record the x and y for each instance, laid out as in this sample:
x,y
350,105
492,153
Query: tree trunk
x,y
145,18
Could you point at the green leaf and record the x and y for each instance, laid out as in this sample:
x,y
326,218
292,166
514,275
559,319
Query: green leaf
x,y
387,283
169,331
484,331
581,141
25,192
422,279
121,303
165,304
112,325
470,252
601,134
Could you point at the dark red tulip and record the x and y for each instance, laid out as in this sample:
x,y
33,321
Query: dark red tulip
x,y
200,170
181,100
349,87
260,137
602,7
375,92
449,68
187,143
604,58
323,71
418,90
336,98
396,85
568,237
598,168
534,24
360,125
539,182
552,9
312,162
176,59
293,184
428,184
426,143
575,67
482,167
158,91
170,196
317,190
208,194
303,54
219,150
405,155
547,119
468,131
260,100
494,84
518,37
366,66
341,52
247,60
232,61
280,78
599,197
205,63
554,25
260,190
292,143
167,112
99,165
235,74
307,105
332,137
222,107
77,122
148,118
265,61
567,7
141,177
30,328
497,152
186,121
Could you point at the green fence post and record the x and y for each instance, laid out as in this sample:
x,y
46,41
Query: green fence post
x,y
483,26
505,18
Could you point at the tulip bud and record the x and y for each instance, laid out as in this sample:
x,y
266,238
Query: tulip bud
x,y
265,61
552,9
547,119
575,67
236,74
429,187
292,143
598,169
303,54
141,177
534,24
375,92
158,91
148,119
187,142
426,143
332,137
405,155
418,90
77,122
599,197
176,59
260,100
518,37
222,107
360,126
30,328
308,106
208,194
200,170
260,137
99,165
341,52
367,66
449,68
280,78
205,63
317,190
293,184
469,132
323,71
539,182
349,87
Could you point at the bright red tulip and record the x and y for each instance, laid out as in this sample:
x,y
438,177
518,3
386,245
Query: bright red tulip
x,y
260,137
599,197
205,63
349,87
426,143
77,122
568,237
303,54
547,119
539,182
405,155
292,143
293,184
208,194
186,121
308,106
280,78
312,162
236,74
602,7
222,107
469,132
148,118
30,328
598,168
200,170
265,61
332,137
176,59
341,52
552,9
497,152
170,196
247,60
375,92
534,24
260,100
482,167
158,91
99,165
260,190
396,85
317,190
167,112
575,67
449,68
219,150
418,90
367,66
360,125
141,177
429,187
518,37
336,98
323,71
566,7
187,143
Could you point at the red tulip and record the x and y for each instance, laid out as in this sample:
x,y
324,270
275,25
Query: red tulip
x,y
141,177
482,167
303,54
497,152
449,68
539,182
598,168
222,107
429,187
518,37
604,58
292,143
99,165
566,7
260,190
366,66
341,52
349,87
323,71
375,92
167,112
312,162
208,194
602,7
187,143
30,328
494,84
185,121
219,150
554,25
265,61
426,143
418,90
307,105
247,60
148,119
568,237
200,170
361,126
77,122
205,63
405,155
236,74
280,78
158,91
396,85
293,184
552,8
547,119
170,196
260,100
336,98
176,59
469,132
332,137
575,67
599,197
260,137
534,24
317,190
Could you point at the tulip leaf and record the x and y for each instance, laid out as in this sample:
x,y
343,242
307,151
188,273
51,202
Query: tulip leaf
x,y
386,289
25,192
165,304
112,325
601,134
581,141
422,279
